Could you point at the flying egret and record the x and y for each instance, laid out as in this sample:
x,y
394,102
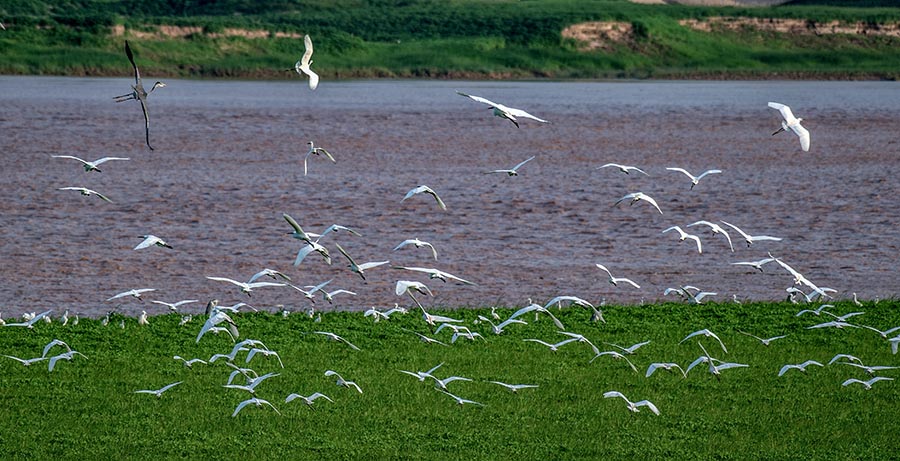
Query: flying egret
x,y
751,238
274,274
716,229
537,308
801,366
442,383
308,400
139,93
844,356
428,340
246,287
498,328
791,123
174,306
867,384
616,356
754,264
695,179
214,319
870,369
514,388
615,280
159,392
636,196
88,192
436,274
264,352
502,111
150,240
342,382
135,293
630,349
313,150
685,235
359,269
581,339
553,347
254,401
302,66
64,356
30,322
418,244
26,362
665,366
633,406
623,168
514,171
336,338
460,400
708,334
90,166
189,363
426,190
764,341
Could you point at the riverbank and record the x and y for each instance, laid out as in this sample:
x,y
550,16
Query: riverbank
x,y
535,40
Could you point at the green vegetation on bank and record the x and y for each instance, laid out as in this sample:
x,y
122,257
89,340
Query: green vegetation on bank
x,y
420,38
87,408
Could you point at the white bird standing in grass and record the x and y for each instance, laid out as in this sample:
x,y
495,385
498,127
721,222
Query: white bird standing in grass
x,y
302,66
514,171
502,111
633,406
426,190
615,280
684,235
623,168
90,166
637,196
159,392
791,123
695,179
313,150
87,192
254,401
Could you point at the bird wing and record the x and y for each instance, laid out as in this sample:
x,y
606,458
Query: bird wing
x,y
682,170
317,395
106,159
707,173
143,101
137,74
307,53
313,84
225,279
71,157
370,265
739,231
613,394
651,201
521,113
648,404
480,99
803,133
149,240
341,249
241,406
785,111
604,269
169,386
522,163
297,228
623,279
435,195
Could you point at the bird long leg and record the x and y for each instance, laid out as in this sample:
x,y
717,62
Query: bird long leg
x,y
124,97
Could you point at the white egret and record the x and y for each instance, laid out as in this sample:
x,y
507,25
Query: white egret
x,y
274,274
436,274
174,306
246,287
716,229
87,192
637,196
764,341
90,166
302,66
684,235
135,293
460,400
801,366
623,168
64,356
26,362
158,392
633,406
336,338
754,264
630,349
514,171
791,123
418,244
514,388
665,366
502,111
214,319
615,280
264,352
751,238
189,363
342,382
867,384
426,190
313,150
708,334
254,401
695,179
616,356
30,323
359,269
553,347
307,400
498,329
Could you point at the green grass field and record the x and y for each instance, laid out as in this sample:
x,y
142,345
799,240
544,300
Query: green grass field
x,y
87,408
421,38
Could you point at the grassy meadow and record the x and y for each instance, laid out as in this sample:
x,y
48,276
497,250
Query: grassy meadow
x,y
87,408
420,38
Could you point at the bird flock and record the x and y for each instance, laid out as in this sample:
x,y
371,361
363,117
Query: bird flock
x,y
223,319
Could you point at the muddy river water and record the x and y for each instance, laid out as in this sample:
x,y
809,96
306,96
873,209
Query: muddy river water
x,y
229,161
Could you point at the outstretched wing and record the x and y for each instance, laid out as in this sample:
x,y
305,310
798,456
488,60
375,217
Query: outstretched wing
x,y
137,74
